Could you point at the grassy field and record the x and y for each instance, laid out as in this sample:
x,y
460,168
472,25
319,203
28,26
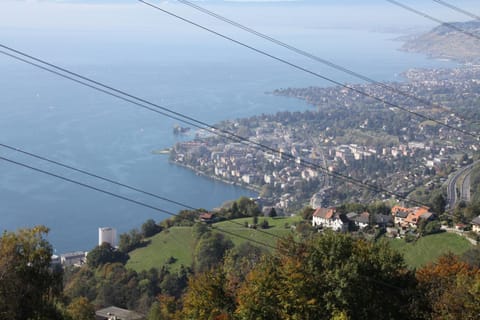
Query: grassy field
x,y
178,242
276,228
428,249
175,242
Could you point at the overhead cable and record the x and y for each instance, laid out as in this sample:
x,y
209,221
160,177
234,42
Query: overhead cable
x,y
432,18
118,196
313,73
217,131
311,55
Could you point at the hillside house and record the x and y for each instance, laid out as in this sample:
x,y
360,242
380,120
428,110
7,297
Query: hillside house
x,y
328,218
207,217
410,217
476,224
363,220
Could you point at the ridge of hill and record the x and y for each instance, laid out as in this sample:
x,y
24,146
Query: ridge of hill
x,y
443,42
179,242
175,246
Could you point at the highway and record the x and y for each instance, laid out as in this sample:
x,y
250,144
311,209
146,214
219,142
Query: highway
x,y
455,194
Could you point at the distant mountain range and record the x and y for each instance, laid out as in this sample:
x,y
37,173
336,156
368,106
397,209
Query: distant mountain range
x,y
448,43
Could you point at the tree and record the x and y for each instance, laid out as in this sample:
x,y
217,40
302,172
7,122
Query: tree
x,y
272,213
150,228
235,212
130,241
264,224
438,203
319,276
103,254
448,289
207,297
472,256
199,229
307,213
28,285
238,262
81,309
165,308
210,250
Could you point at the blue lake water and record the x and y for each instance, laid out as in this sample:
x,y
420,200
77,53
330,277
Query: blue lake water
x,y
199,75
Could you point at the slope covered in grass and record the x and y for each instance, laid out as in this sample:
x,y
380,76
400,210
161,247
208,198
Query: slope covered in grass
x,y
428,249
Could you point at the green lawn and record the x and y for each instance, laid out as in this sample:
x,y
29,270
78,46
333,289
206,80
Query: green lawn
x,y
276,228
428,249
178,242
175,242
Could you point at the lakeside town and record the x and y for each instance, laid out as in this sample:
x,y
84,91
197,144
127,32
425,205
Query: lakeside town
x,y
351,134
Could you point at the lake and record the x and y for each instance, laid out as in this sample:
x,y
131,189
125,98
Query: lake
x,y
157,58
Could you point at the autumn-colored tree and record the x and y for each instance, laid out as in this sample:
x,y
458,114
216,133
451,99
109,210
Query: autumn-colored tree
x,y
165,308
207,297
450,289
238,262
81,309
318,277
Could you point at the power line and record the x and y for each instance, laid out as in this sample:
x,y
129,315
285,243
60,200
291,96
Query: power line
x,y
425,15
315,74
143,204
309,55
193,122
458,9
120,184
118,196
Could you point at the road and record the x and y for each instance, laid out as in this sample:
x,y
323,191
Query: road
x,y
455,194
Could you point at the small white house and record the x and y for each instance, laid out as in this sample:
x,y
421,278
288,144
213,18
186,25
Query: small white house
x,y
476,224
329,218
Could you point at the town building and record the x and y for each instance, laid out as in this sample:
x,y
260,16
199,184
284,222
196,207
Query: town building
x,y
77,258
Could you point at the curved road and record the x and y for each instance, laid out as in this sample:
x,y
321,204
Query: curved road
x,y
462,175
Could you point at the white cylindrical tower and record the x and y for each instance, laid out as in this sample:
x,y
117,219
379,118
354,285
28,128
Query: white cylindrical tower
x,y
108,235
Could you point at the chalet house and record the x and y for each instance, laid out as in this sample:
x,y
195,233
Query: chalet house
x,y
329,218
383,220
362,220
207,217
476,224
410,217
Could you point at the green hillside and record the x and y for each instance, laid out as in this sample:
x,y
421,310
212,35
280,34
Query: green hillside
x,y
429,248
178,242
175,242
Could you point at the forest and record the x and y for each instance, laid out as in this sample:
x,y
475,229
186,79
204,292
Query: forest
x,y
309,276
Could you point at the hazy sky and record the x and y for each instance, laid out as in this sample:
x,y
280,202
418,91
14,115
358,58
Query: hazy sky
x,y
83,29
129,14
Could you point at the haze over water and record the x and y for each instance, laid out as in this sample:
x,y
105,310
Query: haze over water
x,y
144,52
